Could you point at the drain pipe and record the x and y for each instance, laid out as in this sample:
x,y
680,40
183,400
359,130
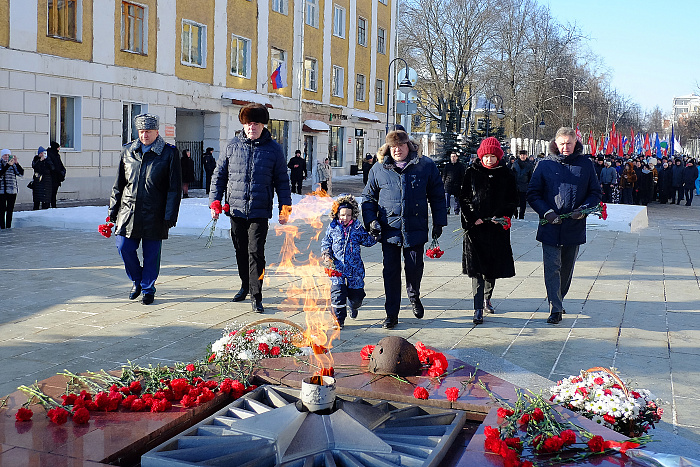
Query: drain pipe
x,y
99,160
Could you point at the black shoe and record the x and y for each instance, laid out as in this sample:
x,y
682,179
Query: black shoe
x,y
478,316
418,310
147,298
240,296
488,307
256,304
563,311
554,318
185,195
353,313
135,292
390,323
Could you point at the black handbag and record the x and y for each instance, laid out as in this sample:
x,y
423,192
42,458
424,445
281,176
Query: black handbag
x,y
30,185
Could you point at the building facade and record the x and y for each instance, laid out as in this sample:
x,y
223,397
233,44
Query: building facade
x,y
685,105
78,71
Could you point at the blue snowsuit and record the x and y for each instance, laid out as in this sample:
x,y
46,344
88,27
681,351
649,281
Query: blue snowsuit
x,y
342,244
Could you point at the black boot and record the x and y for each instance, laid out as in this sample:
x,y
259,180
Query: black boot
x,y
488,307
418,310
554,317
256,303
478,316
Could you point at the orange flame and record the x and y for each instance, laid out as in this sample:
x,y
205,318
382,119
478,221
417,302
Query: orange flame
x,y
308,289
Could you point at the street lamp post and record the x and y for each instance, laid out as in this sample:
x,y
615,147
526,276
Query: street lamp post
x,y
574,93
404,86
500,113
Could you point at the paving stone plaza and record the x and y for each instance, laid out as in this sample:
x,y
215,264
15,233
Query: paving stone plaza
x,y
634,305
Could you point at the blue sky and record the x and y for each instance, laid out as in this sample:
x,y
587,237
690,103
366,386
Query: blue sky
x,y
651,48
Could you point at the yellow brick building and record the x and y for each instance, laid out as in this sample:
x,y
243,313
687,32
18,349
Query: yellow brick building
x,y
78,71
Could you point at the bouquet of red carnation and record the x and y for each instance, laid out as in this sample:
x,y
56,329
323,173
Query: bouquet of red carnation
x,y
434,250
218,208
600,210
106,229
504,221
332,272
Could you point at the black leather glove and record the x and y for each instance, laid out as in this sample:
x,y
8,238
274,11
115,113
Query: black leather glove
x,y
551,217
170,224
375,229
577,214
113,219
437,231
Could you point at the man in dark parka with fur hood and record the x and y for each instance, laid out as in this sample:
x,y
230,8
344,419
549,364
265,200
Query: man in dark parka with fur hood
x,y
564,182
395,210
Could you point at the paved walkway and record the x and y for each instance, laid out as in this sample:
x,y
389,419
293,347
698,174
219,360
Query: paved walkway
x,y
634,305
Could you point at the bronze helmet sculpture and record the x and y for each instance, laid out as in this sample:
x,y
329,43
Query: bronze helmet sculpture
x,y
394,356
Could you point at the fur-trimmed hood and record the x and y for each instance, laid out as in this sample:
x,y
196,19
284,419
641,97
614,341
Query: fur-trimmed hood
x,y
385,151
345,199
554,150
156,147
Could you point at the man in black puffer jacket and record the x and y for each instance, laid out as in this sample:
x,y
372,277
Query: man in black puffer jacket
x,y
250,171
395,210
144,204
564,182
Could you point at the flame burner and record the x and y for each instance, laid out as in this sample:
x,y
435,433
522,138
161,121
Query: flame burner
x,y
266,428
317,393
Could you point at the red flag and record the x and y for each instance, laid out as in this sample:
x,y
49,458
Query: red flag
x,y
579,137
647,145
620,150
601,145
591,143
631,149
613,130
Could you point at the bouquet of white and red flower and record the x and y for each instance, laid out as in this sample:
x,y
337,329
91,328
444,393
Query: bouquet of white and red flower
x,y
504,221
256,343
600,395
600,210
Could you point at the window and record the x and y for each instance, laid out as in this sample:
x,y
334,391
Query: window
x,y
338,79
240,56
277,58
379,98
362,31
335,146
339,21
279,130
194,44
129,111
360,88
312,13
65,121
133,19
280,6
63,19
310,74
381,40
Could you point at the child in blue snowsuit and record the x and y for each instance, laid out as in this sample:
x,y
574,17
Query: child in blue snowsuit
x,y
341,252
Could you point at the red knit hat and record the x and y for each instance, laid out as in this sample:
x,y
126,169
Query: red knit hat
x,y
490,145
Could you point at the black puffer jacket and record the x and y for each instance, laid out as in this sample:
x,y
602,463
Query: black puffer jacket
x,y
399,199
487,193
147,191
250,172
452,176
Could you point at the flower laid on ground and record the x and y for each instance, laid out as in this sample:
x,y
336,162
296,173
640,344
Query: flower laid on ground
x,y
433,360
56,412
530,432
600,210
504,221
434,250
256,343
366,351
600,395
218,208
106,229
452,394
420,393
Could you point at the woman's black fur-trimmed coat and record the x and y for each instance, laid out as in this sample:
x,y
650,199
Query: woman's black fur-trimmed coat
x,y
487,193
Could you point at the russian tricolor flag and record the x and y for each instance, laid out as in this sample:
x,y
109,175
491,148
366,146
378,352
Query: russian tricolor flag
x,y
279,76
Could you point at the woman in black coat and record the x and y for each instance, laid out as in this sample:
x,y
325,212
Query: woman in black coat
x,y
41,183
488,191
187,166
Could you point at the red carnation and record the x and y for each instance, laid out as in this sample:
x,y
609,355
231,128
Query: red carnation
x,y
503,412
525,419
188,401
452,394
226,208
58,415
190,367
609,418
599,381
537,414
216,206
568,436
24,414
366,352
493,445
510,457
135,387
596,444
212,357
102,400
205,396
420,393
69,399
515,443
439,365
491,432
81,416
264,348
552,444
275,351
138,405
